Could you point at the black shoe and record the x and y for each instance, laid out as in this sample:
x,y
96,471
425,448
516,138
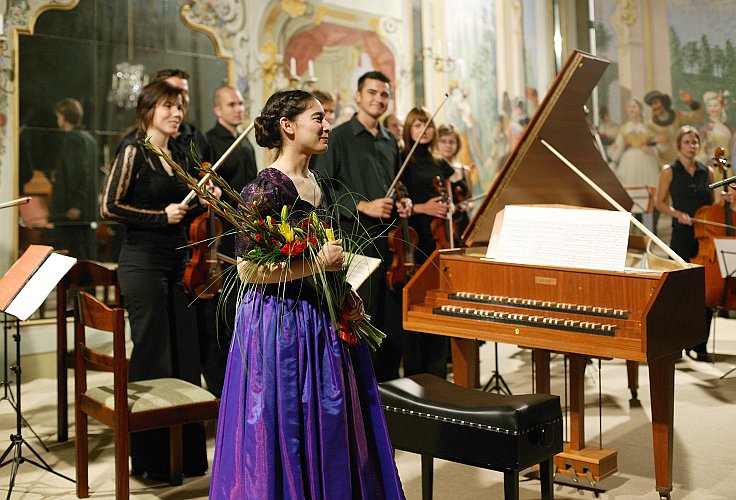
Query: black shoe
x,y
700,356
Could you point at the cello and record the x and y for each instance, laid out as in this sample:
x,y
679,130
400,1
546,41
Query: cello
x,y
715,221
402,241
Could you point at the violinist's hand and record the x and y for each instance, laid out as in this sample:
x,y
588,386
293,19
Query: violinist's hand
x,y
380,208
404,206
175,212
683,218
433,207
356,310
332,256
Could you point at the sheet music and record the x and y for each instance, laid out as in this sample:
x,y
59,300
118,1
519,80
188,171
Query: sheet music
x,y
588,239
40,285
361,266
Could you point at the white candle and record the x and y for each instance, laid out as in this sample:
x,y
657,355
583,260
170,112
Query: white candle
x,y
310,66
2,25
292,66
449,50
437,49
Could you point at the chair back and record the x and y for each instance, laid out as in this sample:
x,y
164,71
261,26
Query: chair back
x,y
84,274
92,313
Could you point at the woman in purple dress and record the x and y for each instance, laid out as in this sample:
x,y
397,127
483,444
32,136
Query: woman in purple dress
x,y
300,415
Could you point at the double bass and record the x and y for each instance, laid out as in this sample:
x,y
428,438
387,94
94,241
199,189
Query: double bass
x,y
715,221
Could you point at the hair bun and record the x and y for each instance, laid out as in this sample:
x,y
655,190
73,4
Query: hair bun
x,y
266,132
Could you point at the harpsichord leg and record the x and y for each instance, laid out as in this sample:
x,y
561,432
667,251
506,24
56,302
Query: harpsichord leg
x,y
662,390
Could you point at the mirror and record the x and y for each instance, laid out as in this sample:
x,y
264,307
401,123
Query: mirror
x,y
91,54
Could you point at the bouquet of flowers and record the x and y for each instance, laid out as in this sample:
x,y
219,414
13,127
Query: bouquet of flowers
x,y
275,239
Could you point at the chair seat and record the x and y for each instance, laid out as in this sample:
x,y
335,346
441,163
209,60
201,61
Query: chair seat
x,y
155,394
431,397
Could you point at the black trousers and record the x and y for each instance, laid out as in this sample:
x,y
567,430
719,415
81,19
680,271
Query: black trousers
x,y
164,333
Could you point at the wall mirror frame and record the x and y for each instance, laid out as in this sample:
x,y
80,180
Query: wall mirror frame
x,y
97,51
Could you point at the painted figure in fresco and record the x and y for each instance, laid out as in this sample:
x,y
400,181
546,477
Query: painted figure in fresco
x,y
665,121
638,164
607,130
714,132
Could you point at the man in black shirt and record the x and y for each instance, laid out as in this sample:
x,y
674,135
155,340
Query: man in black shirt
x,y
239,168
360,164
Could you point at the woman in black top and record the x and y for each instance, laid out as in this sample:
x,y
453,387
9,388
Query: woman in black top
x,y
683,189
423,352
144,193
423,167
449,145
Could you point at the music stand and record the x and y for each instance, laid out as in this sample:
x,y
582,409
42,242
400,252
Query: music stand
x,y
22,290
497,384
726,254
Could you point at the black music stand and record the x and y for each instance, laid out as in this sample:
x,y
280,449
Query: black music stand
x,y
727,272
22,290
497,383
7,394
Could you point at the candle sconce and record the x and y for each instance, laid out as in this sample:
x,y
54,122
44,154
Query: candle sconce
x,y
442,64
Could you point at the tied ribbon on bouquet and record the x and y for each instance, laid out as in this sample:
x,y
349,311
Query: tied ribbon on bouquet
x,y
273,240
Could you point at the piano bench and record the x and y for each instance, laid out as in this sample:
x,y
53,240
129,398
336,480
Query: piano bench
x,y
436,418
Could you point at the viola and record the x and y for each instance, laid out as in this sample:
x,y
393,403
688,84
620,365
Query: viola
x,y
714,221
203,273
402,240
442,227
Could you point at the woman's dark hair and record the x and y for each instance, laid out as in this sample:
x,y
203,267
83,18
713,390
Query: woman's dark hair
x,y
285,104
150,95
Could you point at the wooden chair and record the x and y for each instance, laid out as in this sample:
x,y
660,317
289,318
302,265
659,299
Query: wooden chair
x,y
84,274
127,406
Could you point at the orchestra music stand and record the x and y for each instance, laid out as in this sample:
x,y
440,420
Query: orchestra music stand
x,y
726,254
22,290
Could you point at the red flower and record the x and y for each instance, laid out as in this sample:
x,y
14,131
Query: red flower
x,y
312,241
294,248
346,334
261,223
274,241
259,237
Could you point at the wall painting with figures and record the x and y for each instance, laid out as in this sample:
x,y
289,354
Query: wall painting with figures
x,y
683,49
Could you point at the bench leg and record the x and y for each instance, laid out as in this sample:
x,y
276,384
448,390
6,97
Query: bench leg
x,y
427,477
511,485
547,478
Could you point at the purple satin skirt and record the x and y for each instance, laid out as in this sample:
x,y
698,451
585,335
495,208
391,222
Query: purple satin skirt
x,y
300,415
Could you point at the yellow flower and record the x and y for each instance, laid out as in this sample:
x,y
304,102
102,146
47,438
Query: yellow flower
x,y
269,221
286,231
330,234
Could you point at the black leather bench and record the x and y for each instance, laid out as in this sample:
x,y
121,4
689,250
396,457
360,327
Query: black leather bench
x,y
436,418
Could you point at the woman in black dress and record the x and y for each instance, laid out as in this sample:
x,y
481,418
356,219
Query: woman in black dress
x,y
423,352
144,193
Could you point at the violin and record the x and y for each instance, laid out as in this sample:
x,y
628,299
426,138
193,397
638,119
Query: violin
x,y
402,241
714,221
442,227
203,273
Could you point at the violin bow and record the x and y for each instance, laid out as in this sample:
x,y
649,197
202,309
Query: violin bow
x,y
711,223
12,203
219,162
392,187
